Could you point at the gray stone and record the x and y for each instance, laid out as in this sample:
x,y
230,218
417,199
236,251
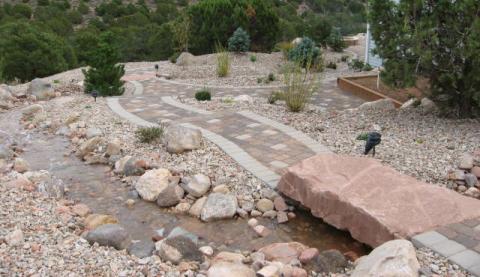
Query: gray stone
x,y
198,185
379,105
40,89
178,249
141,249
185,59
179,231
466,162
224,269
112,235
20,165
219,206
52,187
93,132
466,258
31,111
196,208
329,261
6,94
5,152
427,239
132,168
89,146
428,105
179,139
471,180
170,196
114,148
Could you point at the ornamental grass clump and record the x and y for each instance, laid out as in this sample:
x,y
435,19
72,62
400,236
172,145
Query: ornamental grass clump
x,y
223,61
149,134
299,87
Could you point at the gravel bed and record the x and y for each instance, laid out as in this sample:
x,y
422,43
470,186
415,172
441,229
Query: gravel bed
x,y
432,264
50,244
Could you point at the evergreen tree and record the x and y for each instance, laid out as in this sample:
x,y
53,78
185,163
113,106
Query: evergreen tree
x,y
437,40
27,52
239,41
335,41
104,74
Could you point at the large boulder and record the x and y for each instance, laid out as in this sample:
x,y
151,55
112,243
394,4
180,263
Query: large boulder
x,y
177,249
198,185
283,252
394,258
112,235
372,201
219,206
152,183
185,59
179,139
40,89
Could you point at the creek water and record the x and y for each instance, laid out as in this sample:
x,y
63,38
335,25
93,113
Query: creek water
x,y
92,185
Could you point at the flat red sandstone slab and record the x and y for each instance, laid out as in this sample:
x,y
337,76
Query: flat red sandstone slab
x,y
372,201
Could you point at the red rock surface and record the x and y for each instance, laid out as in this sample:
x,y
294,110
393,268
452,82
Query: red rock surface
x,y
375,203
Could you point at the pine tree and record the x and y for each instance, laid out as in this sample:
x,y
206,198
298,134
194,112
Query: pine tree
x,y
437,40
239,42
104,74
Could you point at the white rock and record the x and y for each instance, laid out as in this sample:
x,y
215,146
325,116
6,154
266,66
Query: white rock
x,y
265,205
379,105
395,258
93,132
409,104
198,185
152,183
206,250
252,222
20,165
243,98
14,238
179,139
224,269
40,89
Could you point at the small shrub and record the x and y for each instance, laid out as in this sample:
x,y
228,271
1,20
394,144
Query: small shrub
x,y
83,8
228,100
285,48
173,58
362,136
271,77
43,2
56,81
331,65
259,80
203,95
344,58
356,65
367,67
335,41
239,42
305,53
253,58
299,87
223,62
149,134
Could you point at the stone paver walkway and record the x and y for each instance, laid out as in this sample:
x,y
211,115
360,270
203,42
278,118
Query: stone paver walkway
x,y
265,147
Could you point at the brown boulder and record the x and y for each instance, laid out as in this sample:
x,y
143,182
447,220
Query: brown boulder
x,y
283,252
372,201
